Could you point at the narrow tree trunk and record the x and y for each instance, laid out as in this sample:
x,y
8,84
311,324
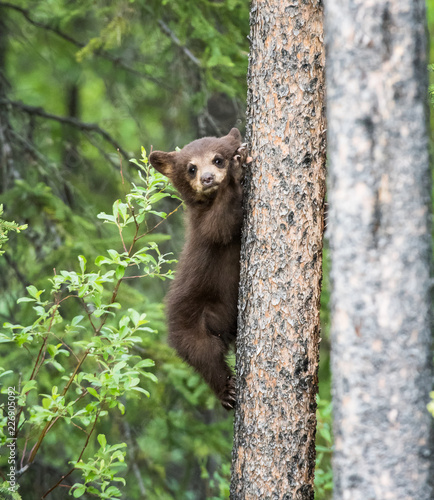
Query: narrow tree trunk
x,y
277,346
6,146
379,195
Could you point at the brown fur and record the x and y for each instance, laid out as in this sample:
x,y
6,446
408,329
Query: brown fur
x,y
202,302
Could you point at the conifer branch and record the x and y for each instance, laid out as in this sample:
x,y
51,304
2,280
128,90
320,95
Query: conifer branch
x,y
67,120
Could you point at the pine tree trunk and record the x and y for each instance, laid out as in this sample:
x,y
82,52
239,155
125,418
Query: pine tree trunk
x,y
379,195
278,336
6,144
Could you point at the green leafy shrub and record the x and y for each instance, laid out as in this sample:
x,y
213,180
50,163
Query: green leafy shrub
x,y
324,443
6,227
85,353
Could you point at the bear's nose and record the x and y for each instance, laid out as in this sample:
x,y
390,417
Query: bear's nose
x,y
207,179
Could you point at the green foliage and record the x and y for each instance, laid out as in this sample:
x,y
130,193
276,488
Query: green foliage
x,y
5,227
5,492
100,470
144,72
89,356
324,444
221,481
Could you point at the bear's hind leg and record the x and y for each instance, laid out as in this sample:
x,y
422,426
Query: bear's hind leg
x,y
206,353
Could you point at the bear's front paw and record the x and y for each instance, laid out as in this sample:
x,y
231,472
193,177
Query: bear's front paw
x,y
239,159
241,155
227,399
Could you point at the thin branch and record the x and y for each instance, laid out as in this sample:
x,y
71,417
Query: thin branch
x,y
161,221
81,396
48,425
132,454
57,32
11,263
101,53
121,236
89,314
92,127
165,29
24,452
65,344
135,277
77,368
30,148
95,144
79,458
212,122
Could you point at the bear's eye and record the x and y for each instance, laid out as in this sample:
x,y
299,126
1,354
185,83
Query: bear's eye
x,y
218,161
192,169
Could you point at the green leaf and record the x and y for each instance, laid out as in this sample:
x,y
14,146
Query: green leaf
x,y
93,392
113,254
120,271
25,299
76,320
151,376
102,440
28,386
123,210
107,217
139,389
133,160
100,260
33,291
145,363
83,261
52,350
157,197
10,326
57,365
79,491
135,381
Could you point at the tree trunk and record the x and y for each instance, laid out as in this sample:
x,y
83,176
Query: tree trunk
x,y
6,144
278,335
379,195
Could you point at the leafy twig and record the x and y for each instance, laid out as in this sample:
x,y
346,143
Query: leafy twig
x,y
161,221
79,458
37,366
165,29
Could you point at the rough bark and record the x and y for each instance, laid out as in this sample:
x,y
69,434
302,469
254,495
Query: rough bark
x,y
278,335
379,197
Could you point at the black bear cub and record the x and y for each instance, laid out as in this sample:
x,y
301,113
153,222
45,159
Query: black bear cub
x,y
202,301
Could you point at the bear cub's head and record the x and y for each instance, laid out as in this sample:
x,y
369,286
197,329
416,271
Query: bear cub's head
x,y
202,166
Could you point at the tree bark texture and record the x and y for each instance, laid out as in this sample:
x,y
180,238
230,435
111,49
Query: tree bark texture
x,y
278,333
379,228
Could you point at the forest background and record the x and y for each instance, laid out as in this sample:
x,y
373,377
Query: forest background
x,y
83,85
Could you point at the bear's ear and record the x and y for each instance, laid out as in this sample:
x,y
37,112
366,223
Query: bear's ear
x,y
163,162
235,133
